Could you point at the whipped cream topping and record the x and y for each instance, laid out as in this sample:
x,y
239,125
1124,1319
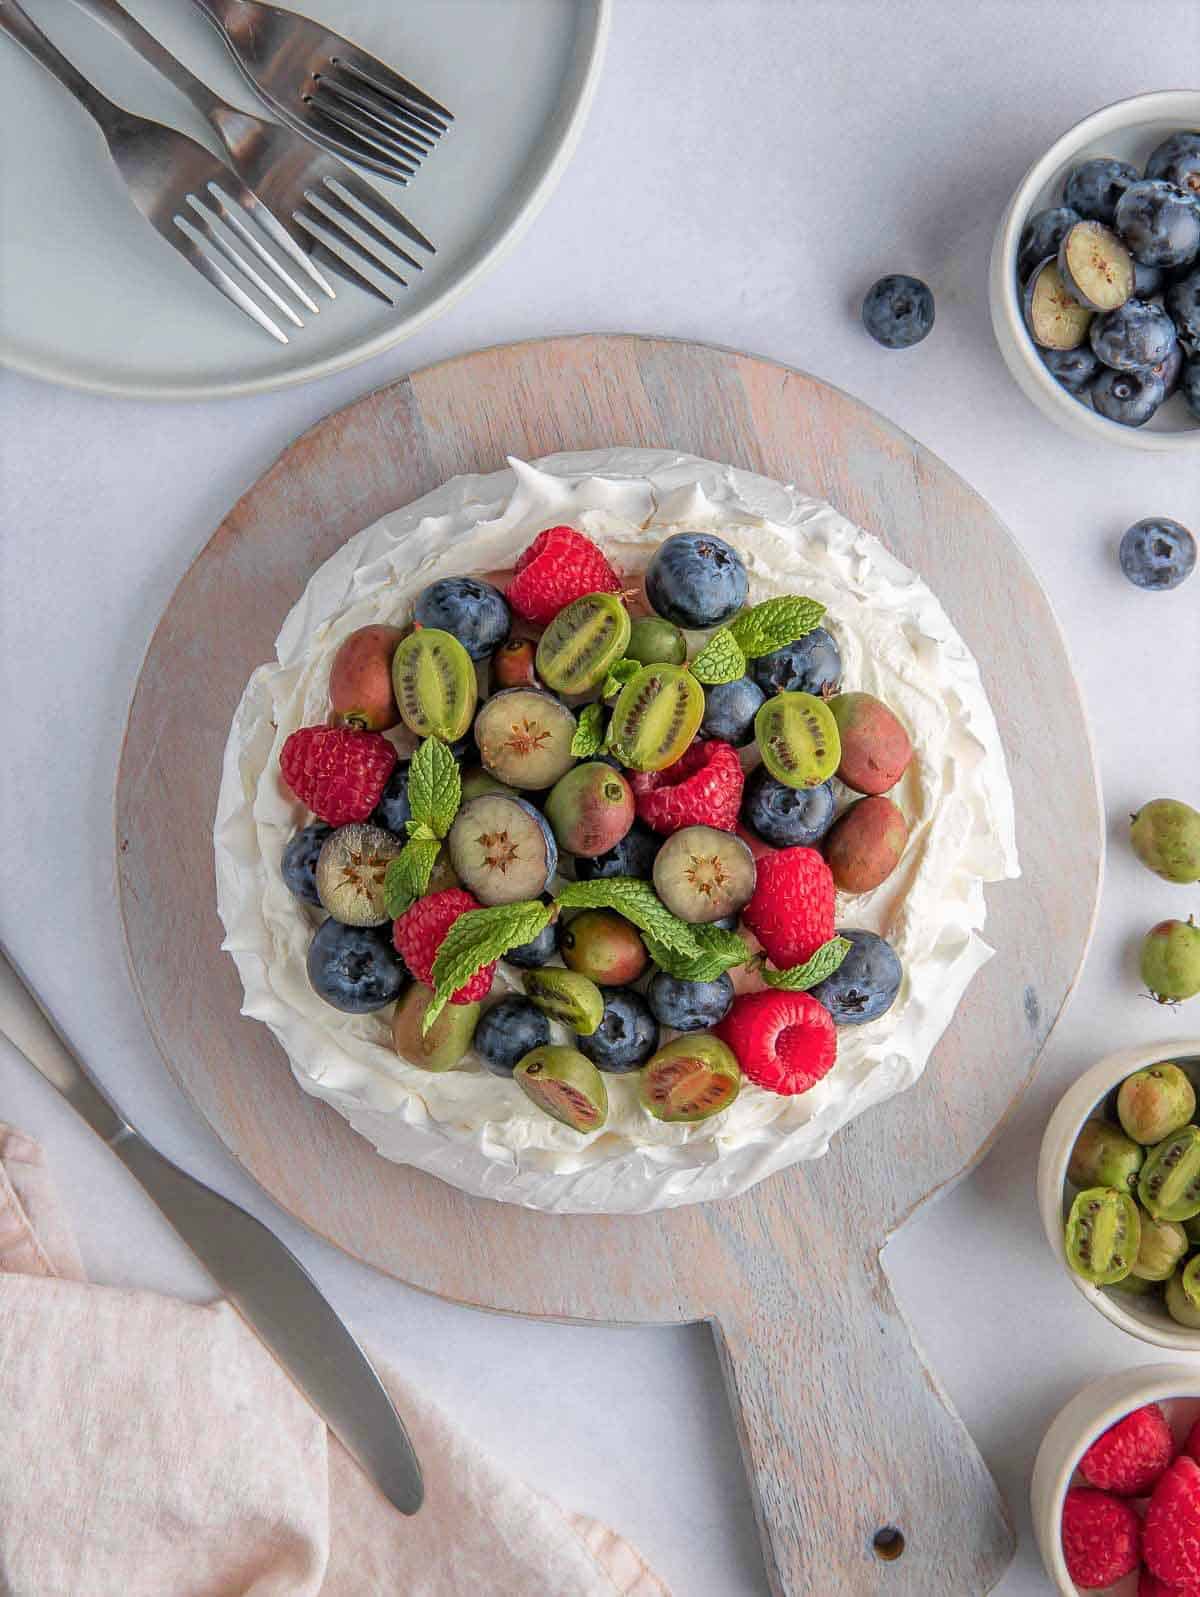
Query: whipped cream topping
x,y
474,1129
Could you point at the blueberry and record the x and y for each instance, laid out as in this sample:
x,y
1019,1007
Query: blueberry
x,y
532,954
865,984
898,311
786,817
299,863
634,855
393,808
1133,337
729,711
1157,553
1177,159
1189,385
689,1005
1073,368
1182,302
1041,236
696,580
1094,187
475,612
1147,280
1159,223
355,968
1130,398
810,665
725,923
1170,370
626,1036
507,1032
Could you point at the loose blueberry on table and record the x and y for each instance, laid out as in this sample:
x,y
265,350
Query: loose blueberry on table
x,y
586,830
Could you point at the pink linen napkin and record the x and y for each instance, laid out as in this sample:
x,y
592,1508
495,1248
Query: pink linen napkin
x,y
153,1448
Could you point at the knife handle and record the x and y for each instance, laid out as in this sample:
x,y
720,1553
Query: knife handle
x,y
30,1029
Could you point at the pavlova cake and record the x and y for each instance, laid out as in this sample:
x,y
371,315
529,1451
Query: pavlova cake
x,y
610,831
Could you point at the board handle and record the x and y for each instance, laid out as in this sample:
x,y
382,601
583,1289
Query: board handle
x,y
864,1479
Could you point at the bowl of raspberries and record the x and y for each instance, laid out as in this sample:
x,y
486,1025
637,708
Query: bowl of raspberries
x,y
1116,1486
1095,276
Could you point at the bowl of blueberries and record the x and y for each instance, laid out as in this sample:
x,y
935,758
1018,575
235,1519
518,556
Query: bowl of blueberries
x,y
1095,276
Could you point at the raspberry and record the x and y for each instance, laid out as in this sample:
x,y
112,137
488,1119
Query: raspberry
x,y
1173,1525
1192,1445
1101,1538
791,912
1149,1585
784,1042
418,935
559,565
1131,1455
339,773
702,788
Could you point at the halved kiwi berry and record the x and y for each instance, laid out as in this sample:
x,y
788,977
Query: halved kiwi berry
x,y
583,641
566,996
566,1085
524,738
433,678
656,717
502,850
703,874
1053,315
798,739
1095,266
446,1041
690,1079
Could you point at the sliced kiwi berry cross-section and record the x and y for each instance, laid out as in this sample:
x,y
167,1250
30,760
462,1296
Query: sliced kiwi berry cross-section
x,y
583,641
565,1084
433,678
565,996
656,717
798,739
690,1079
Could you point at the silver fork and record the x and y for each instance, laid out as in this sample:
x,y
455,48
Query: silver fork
x,y
180,188
318,198
328,89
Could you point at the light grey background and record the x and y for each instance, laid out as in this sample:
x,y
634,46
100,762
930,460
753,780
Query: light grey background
x,y
750,166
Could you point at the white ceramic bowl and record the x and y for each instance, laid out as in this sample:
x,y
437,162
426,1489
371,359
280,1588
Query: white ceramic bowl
x,y
1073,1430
1129,131
1144,1318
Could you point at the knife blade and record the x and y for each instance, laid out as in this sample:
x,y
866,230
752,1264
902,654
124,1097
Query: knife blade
x,y
261,1277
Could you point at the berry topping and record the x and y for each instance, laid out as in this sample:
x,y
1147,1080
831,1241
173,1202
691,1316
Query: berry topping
x,y
702,788
339,774
1101,1538
791,912
559,565
784,1042
418,935
1172,1526
1149,1585
1131,1455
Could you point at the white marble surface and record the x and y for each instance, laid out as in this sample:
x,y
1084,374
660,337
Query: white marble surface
x,y
750,166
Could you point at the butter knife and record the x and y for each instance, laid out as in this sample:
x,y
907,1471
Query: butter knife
x,y
262,1278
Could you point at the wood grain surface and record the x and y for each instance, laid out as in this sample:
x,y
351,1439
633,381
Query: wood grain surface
x,y
844,1430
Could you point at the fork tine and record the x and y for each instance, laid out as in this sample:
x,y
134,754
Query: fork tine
x,y
218,199
204,226
272,226
220,278
324,238
369,198
320,208
411,135
395,87
347,211
340,136
338,108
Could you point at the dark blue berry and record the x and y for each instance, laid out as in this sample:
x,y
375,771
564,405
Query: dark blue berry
x,y
532,954
696,580
1159,223
1170,370
393,808
634,855
729,710
1147,280
898,311
1189,385
725,923
810,665
1157,553
1041,236
299,865
507,1031
865,984
1177,160
1133,337
1130,398
786,817
689,1005
626,1036
355,968
1094,187
1182,303
1073,368
475,612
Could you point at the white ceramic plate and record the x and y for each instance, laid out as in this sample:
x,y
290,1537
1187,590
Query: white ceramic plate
x,y
91,296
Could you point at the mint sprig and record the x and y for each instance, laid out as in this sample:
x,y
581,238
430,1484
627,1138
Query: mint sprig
x,y
719,951
434,787
476,939
589,734
619,673
720,660
638,902
774,624
407,876
799,978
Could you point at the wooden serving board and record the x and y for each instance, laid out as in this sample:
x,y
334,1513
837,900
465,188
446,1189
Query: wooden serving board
x,y
844,1431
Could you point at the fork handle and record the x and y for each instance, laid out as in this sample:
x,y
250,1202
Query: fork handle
x,y
20,26
115,17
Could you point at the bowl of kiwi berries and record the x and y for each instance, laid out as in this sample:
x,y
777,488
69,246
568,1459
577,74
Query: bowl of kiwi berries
x,y
1119,1190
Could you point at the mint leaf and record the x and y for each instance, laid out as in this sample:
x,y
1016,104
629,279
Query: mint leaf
x,y
720,660
719,951
434,786
589,734
638,902
774,624
407,876
621,672
799,978
421,832
474,940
